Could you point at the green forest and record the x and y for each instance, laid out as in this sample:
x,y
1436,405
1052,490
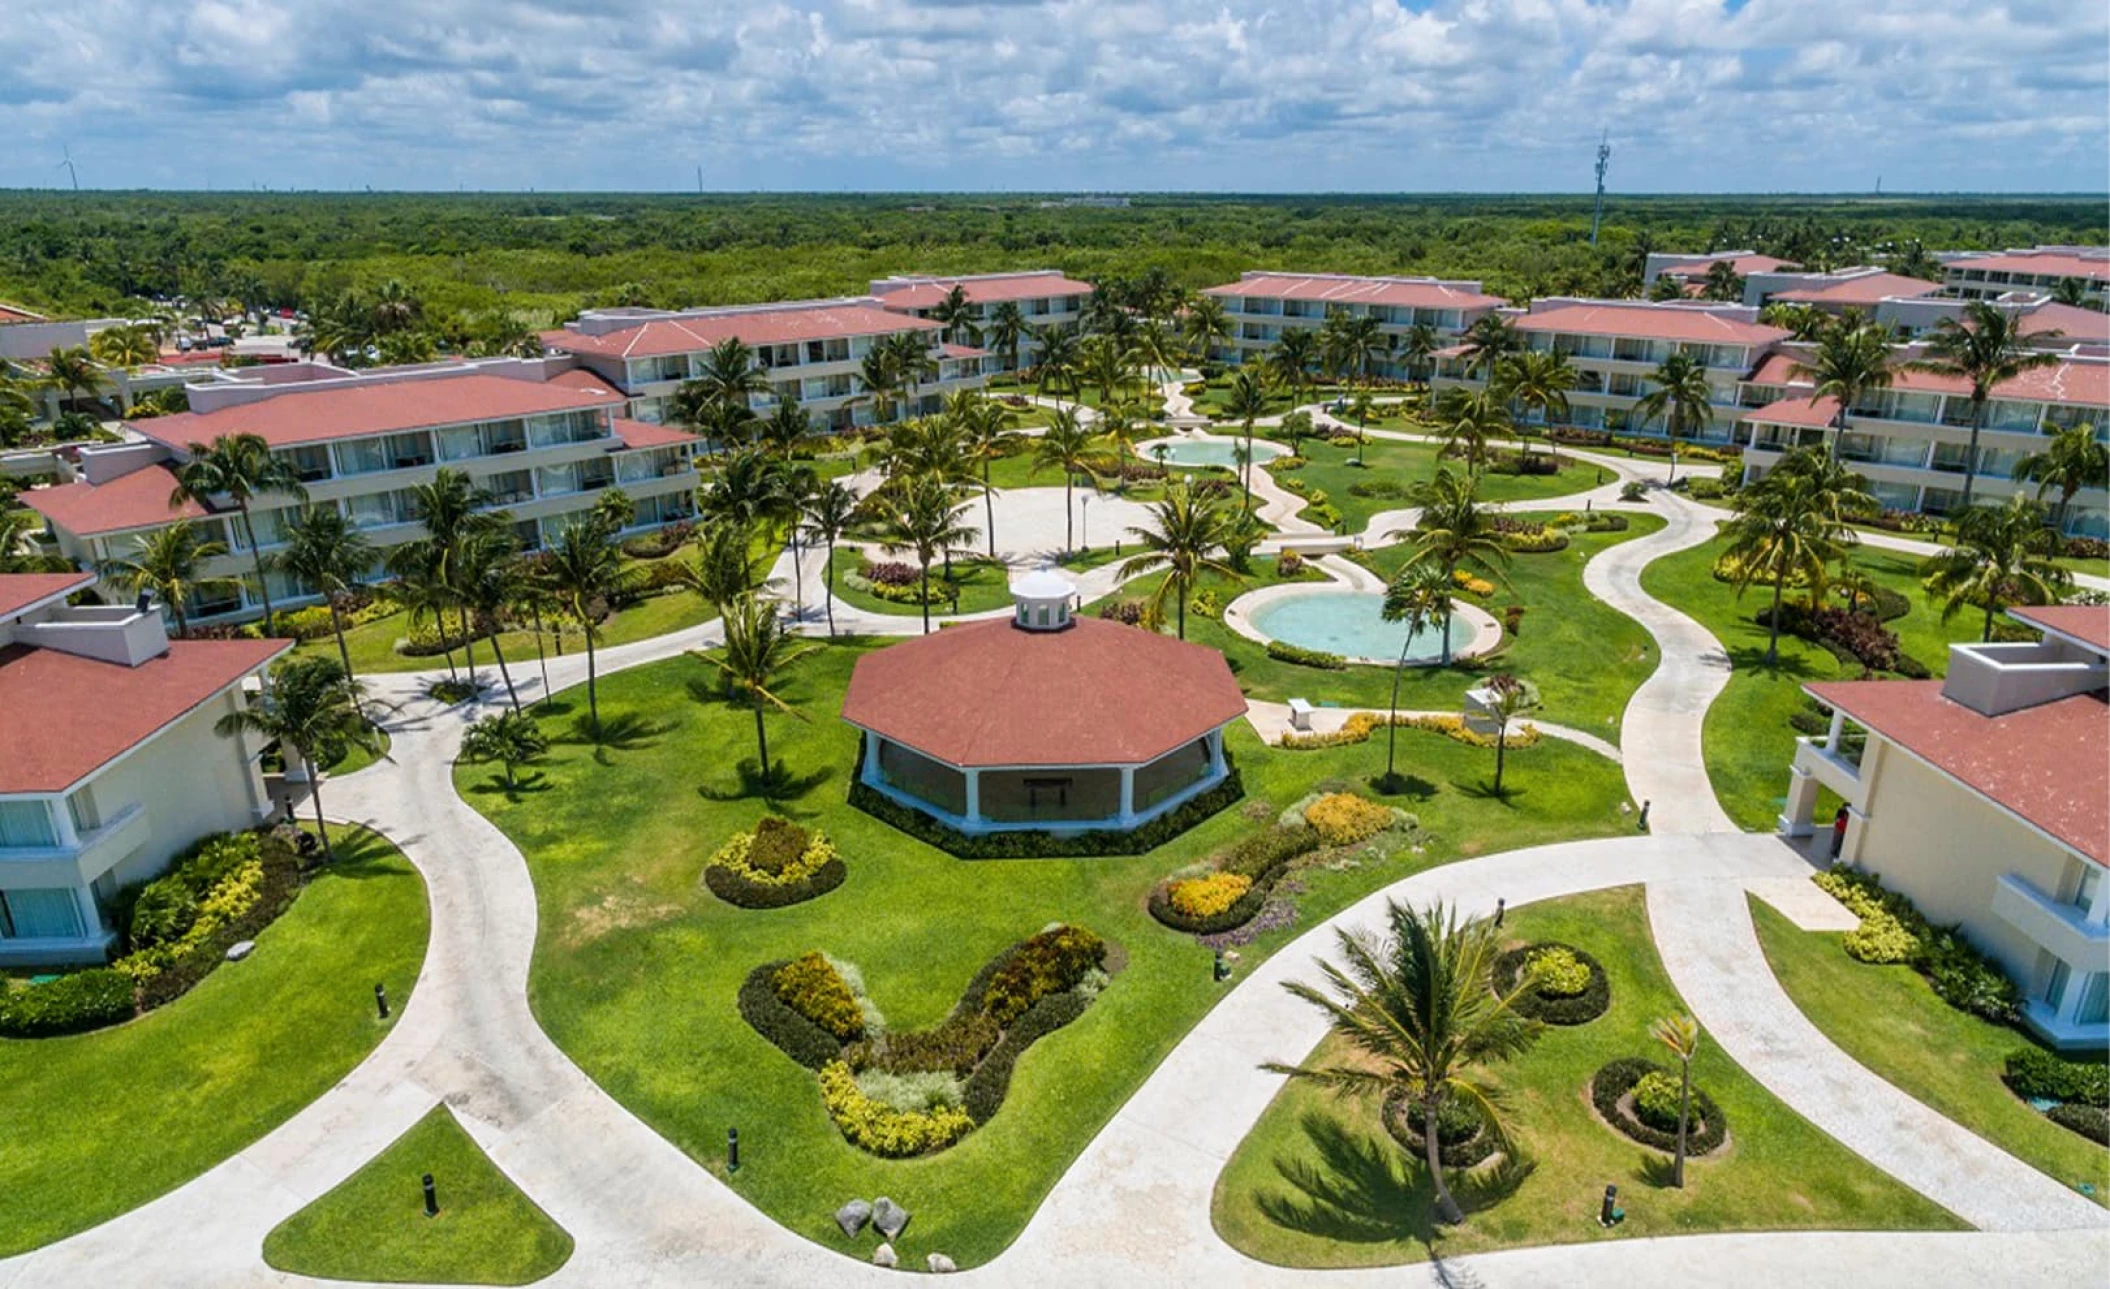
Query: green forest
x,y
536,259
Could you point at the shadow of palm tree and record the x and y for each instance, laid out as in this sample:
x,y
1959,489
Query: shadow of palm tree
x,y
1365,1189
775,787
1484,790
1402,785
1655,1169
525,782
1753,658
620,732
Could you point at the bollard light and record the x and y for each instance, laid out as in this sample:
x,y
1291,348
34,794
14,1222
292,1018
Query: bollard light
x,y
1609,1213
732,1150
1501,907
1643,826
432,1197
381,1000
1222,969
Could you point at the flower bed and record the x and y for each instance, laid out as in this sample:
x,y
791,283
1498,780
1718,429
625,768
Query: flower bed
x,y
1555,995
777,864
1612,1091
916,1092
1298,655
1856,639
1258,861
1463,1138
1343,818
1893,931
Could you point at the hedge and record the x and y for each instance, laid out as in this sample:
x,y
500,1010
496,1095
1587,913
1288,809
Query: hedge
x,y
735,889
983,1094
1263,857
1580,1009
2036,1074
1709,1128
774,1019
77,1001
2091,1121
1463,1144
1303,657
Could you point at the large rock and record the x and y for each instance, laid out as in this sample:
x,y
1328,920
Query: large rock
x,y
890,1218
884,1256
852,1217
939,1262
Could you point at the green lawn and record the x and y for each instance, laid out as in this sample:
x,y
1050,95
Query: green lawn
x,y
372,1225
100,1123
1319,1183
637,965
1586,657
373,644
1889,1019
1749,743
983,585
1333,471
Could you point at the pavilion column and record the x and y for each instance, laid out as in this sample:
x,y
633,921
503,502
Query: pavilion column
x,y
1128,792
974,796
1215,743
872,758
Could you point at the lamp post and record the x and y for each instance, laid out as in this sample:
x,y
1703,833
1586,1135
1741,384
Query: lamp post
x,y
1084,524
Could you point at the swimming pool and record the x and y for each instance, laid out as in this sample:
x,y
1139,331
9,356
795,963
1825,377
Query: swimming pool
x,y
1192,453
1351,624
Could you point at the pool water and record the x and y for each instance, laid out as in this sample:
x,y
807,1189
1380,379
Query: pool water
x,y
1352,624
1223,452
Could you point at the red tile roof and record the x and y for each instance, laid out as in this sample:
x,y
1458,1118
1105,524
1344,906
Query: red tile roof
x,y
2057,263
9,313
1651,322
661,336
1745,265
991,693
2048,764
2087,623
2074,323
22,591
922,293
104,708
136,500
347,411
2081,381
1418,293
642,434
589,382
1777,369
1797,411
1863,291
950,350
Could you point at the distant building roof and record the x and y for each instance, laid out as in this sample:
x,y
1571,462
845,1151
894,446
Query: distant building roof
x,y
693,333
105,709
11,313
1336,288
1863,290
1650,322
2048,764
642,434
2070,380
1817,412
2087,624
2057,262
589,382
342,411
916,292
2072,322
136,500
1744,263
20,592
990,693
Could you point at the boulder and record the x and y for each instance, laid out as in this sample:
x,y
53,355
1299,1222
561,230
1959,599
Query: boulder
x,y
240,949
889,1217
884,1256
939,1262
852,1217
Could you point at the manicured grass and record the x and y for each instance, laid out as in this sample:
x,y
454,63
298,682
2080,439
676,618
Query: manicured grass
x,y
1586,657
103,1122
373,644
1319,1183
637,965
1748,741
372,1225
983,585
1889,1019
1333,471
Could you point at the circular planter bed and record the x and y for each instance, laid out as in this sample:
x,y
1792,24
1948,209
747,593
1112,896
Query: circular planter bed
x,y
1544,1003
1612,1092
776,865
1465,1139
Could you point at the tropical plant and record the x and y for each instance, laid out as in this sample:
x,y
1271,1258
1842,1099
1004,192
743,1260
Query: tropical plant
x,y
1107,363
124,345
2071,291
1007,330
1418,347
924,517
490,581
726,566
758,649
1290,360
1208,326
73,373
511,739
1786,529
1512,696
1184,534
585,574
309,705
166,563
1055,365
2074,459
1418,595
957,315
1454,531
2003,557
1680,394
1246,404
1849,363
1066,445
747,490
1468,420
1489,340
330,557
1539,379
1722,283
1419,1008
1681,1034
240,467
1987,348
784,429
829,514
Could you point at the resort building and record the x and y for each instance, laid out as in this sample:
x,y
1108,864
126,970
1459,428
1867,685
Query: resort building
x,y
1043,721
1911,441
811,351
1262,305
109,762
1982,798
1042,300
1861,290
1690,271
1614,345
1989,275
543,441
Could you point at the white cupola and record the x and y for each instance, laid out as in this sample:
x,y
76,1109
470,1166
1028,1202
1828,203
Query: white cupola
x,y
1043,599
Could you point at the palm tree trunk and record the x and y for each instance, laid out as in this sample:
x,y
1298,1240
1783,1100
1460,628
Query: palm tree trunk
x,y
1677,1164
541,660
989,507
1447,1210
1182,600
503,673
1970,465
344,655
322,827
263,588
1986,635
1399,672
1069,531
593,698
828,578
468,645
798,576
925,595
506,763
762,740
1780,581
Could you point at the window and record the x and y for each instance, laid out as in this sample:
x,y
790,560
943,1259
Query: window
x,y
2095,1000
2054,991
310,462
39,915
2084,891
86,818
26,823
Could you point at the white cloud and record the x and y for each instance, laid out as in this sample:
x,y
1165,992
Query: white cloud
x,y
1256,94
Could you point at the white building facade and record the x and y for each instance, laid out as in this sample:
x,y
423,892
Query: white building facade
x,y
1262,305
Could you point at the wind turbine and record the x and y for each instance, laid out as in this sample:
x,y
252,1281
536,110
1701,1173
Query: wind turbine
x,y
67,166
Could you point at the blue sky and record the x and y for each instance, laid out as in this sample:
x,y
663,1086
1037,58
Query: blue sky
x,y
1273,95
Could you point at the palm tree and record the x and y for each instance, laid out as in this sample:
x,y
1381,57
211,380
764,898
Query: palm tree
x,y
73,373
1784,528
1539,379
1361,408
1455,532
985,436
1722,283
912,360
1157,348
1681,393
512,739
829,513
880,374
1490,339
1419,1007
726,566
1469,419
124,345
1362,342
1107,363
1806,322
585,573
1418,595
1208,326
330,557
490,577
239,467
451,507
1513,697
2073,460
310,704
756,651
1986,348
2070,291
957,316
784,429
1246,404
396,308
1290,361
1185,533
924,517
1681,1034
1418,348
2002,557
749,490
1850,362
166,563
729,375
1068,446
1055,367
1007,330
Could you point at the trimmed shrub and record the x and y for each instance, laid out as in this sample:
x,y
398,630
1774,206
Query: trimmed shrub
x,y
1471,585
777,845
983,1093
792,1033
1556,972
1706,1130
1853,638
1462,1136
1656,1100
1289,564
1342,818
777,864
812,987
918,1092
310,623
1281,651
873,1125
891,573
1551,1005
1195,898
1359,727
1513,619
76,1001
1048,963
1966,979
1265,852
2091,1121
2036,1074
956,1044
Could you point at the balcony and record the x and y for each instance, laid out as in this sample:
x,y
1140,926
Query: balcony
x,y
1831,769
92,852
2064,930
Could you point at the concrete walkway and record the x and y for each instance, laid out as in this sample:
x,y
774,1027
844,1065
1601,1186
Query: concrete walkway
x,y
1271,722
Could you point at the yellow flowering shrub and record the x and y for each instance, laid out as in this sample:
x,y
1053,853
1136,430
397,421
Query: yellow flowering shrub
x,y
1472,585
737,855
230,897
813,988
1205,897
1359,727
873,1125
1342,818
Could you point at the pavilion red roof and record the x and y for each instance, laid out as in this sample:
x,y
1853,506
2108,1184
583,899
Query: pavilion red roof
x,y
2087,623
1818,412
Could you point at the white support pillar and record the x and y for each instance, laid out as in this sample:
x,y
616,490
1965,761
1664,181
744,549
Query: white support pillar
x,y
91,915
1128,793
871,758
1216,754
974,796
1831,737
1794,818
1856,833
